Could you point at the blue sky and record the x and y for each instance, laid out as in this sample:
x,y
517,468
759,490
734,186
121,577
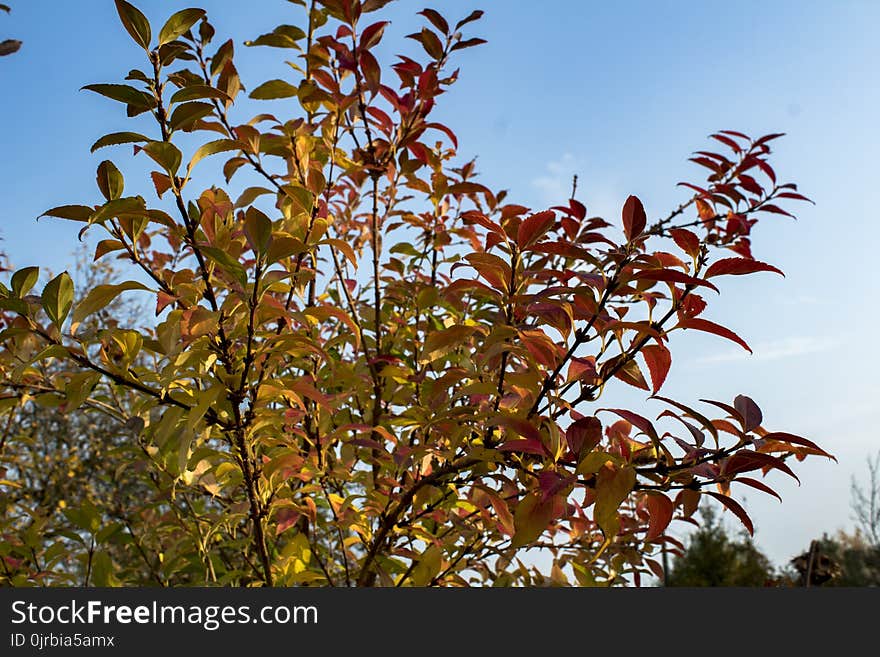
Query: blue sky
x,y
619,93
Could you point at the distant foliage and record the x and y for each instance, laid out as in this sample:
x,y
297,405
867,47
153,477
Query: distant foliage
x,y
715,558
366,367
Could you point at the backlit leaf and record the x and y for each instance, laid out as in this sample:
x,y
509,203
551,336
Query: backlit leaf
x,y
715,329
57,298
659,359
531,518
738,267
274,89
736,509
749,411
119,138
212,148
660,509
110,180
135,23
179,24
634,218
100,296
613,486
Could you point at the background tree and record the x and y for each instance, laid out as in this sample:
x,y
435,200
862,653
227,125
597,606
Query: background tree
x,y
841,560
714,558
368,368
848,559
866,503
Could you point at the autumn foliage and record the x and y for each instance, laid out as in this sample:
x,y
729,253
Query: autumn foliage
x,y
366,367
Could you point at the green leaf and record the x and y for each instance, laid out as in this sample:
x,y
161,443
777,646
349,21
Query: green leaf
x,y
440,343
257,230
249,195
58,298
79,386
119,206
226,262
303,199
71,212
212,148
196,91
165,154
186,114
116,138
102,570
124,93
179,24
101,295
428,566
135,23
110,181
23,280
206,399
613,485
530,520
16,306
283,36
274,89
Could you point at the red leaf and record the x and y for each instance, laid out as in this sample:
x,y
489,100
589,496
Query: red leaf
x,y
528,446
533,228
446,130
749,411
583,435
687,241
766,138
736,509
642,423
162,300
582,369
775,209
372,35
728,142
738,266
658,360
660,508
793,195
689,412
754,483
472,216
693,305
473,16
712,327
783,437
634,218
734,133
767,169
629,373
518,426
746,460
672,276
438,21
430,42
467,43
372,72
161,182
286,519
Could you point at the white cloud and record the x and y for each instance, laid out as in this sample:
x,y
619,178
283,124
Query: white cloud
x,y
555,183
801,300
774,350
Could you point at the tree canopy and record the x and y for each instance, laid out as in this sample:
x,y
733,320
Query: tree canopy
x,y
370,368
